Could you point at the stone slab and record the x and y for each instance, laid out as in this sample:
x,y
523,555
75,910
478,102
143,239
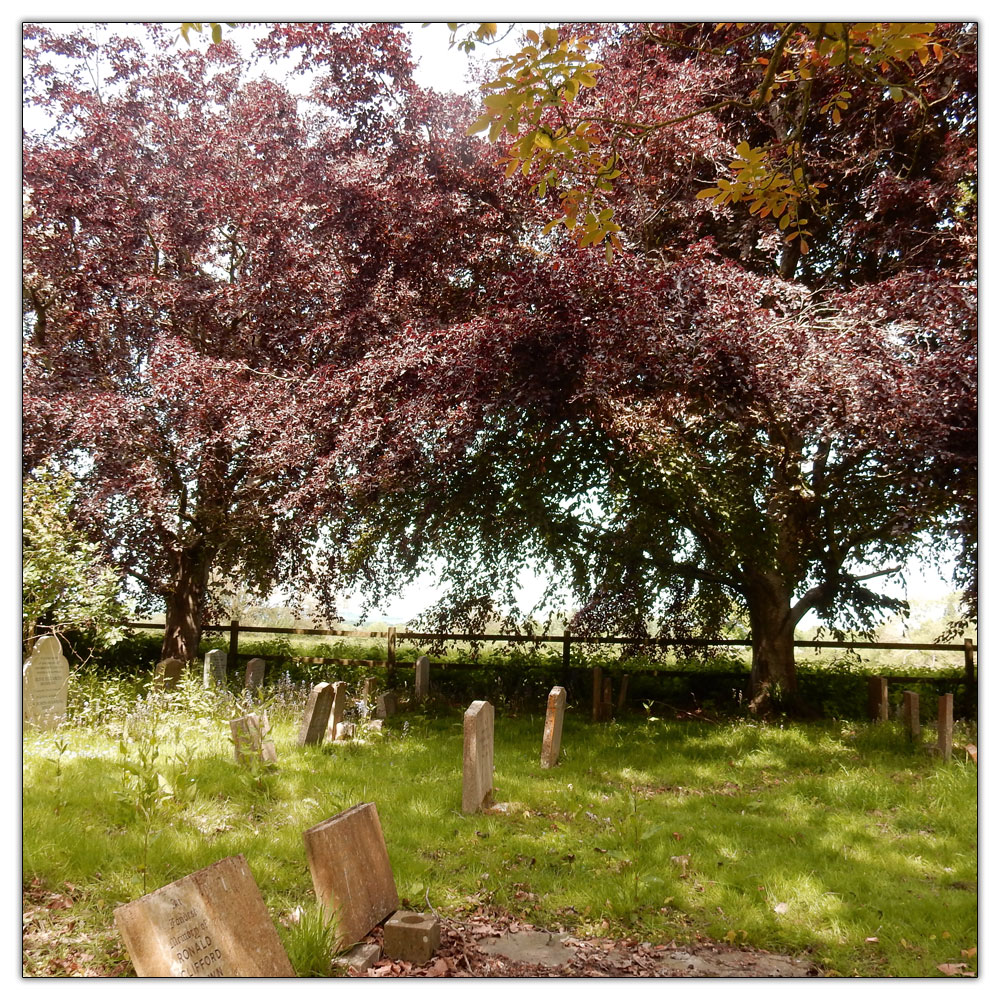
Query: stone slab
x,y
255,674
946,725
878,699
210,924
351,872
338,709
477,757
249,742
422,678
534,947
361,957
316,716
215,673
552,735
911,714
411,937
386,705
168,672
45,684
344,732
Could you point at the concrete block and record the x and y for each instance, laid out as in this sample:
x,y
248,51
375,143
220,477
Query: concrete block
x,y
411,937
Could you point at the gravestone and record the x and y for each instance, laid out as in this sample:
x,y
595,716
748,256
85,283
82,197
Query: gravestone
x,y
911,714
386,705
45,684
552,735
946,724
351,873
422,677
597,681
168,673
343,732
477,757
338,708
248,740
255,674
606,701
215,674
210,924
878,699
368,689
317,715
622,694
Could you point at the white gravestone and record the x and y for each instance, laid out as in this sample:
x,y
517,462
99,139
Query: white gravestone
x,y
45,684
215,668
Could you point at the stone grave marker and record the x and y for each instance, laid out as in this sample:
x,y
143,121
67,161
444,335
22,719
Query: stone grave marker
x,y
343,732
45,684
622,694
911,714
946,722
338,708
552,735
878,699
210,924
317,715
168,673
385,705
477,757
215,673
255,674
248,740
351,873
422,677
368,689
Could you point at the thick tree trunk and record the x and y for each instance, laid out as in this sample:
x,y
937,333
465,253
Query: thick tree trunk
x,y
185,603
772,633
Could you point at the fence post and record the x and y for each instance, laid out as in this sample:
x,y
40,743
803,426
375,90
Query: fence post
x,y
390,666
622,692
969,700
945,726
878,699
232,661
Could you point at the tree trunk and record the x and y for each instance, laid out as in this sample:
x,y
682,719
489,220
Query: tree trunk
x,y
185,603
772,634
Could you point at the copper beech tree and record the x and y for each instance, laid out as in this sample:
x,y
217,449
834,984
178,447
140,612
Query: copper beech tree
x,y
201,250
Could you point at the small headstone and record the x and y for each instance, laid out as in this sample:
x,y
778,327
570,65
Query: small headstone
x,y
411,937
45,684
339,706
622,694
911,714
343,732
386,705
368,689
351,873
317,715
477,757
248,740
168,673
255,674
215,674
945,725
422,677
878,699
210,924
552,735
375,725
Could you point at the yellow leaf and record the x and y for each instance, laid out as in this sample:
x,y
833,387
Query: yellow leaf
x,y
550,36
706,193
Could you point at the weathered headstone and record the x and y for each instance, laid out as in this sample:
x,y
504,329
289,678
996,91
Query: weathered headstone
x,y
422,677
317,714
168,672
45,684
351,873
344,732
477,757
946,724
210,924
255,674
911,714
338,709
215,674
622,694
368,689
878,699
248,740
552,735
386,705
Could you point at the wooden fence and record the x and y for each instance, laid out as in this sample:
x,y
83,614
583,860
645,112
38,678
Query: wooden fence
x,y
391,635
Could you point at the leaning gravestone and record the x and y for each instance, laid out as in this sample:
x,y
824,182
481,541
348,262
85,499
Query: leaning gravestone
x,y
248,740
210,924
215,674
422,677
255,674
386,705
316,715
338,709
477,757
552,736
168,672
45,684
351,872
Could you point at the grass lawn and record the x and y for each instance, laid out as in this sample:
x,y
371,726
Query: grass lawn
x,y
841,841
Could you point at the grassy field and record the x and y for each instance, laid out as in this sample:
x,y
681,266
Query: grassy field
x,y
842,841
